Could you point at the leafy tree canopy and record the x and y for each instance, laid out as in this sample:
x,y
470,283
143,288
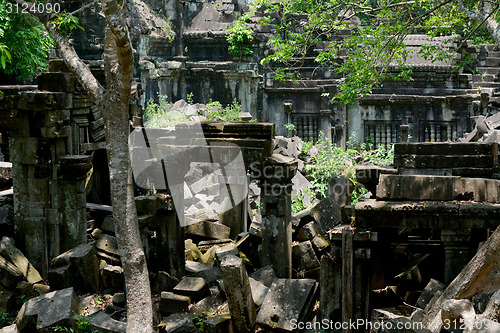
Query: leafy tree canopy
x,y
24,44
365,38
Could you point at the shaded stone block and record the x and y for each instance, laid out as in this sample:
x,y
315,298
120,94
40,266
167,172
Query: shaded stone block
x,y
204,306
7,301
210,275
178,322
239,293
287,300
113,277
264,275
83,265
9,274
164,282
208,229
218,324
429,291
327,214
259,291
195,287
102,322
172,303
305,258
49,310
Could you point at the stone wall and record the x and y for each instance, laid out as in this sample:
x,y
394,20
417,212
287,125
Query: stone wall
x,y
182,49
48,128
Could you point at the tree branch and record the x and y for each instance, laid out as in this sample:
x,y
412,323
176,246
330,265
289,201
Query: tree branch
x,y
70,57
118,26
81,9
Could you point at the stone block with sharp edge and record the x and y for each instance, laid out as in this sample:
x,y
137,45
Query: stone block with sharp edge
x,y
287,300
17,258
46,311
239,293
194,287
172,303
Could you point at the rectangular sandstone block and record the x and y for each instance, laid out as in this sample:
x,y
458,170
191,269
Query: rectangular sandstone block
x,y
445,161
446,148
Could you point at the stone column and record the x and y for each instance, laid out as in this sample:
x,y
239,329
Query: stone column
x,y
339,139
72,200
404,129
456,248
276,204
326,126
239,294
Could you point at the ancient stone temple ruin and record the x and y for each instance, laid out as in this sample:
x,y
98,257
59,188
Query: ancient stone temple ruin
x,y
224,251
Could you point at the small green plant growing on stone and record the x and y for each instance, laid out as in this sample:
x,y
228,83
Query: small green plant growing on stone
x,y
5,319
240,37
290,129
189,98
156,114
229,113
82,324
67,22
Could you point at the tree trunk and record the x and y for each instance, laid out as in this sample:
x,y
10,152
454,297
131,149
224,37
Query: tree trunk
x,y
118,56
481,274
118,62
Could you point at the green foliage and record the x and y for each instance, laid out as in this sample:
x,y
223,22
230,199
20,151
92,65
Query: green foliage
x,y
5,319
67,22
369,53
240,37
189,98
306,146
228,113
333,161
300,198
24,44
159,116
82,324
290,129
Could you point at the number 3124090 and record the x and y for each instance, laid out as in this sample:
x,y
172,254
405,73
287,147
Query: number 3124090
x,y
34,8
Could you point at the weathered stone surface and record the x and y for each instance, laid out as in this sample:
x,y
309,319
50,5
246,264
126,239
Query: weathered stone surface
x,y
164,282
259,291
47,311
9,274
172,303
287,300
103,323
113,277
107,246
17,258
239,294
195,267
458,313
264,275
83,266
398,322
195,287
7,301
429,291
210,275
204,306
218,324
492,310
178,323
304,256
208,230
327,214
9,329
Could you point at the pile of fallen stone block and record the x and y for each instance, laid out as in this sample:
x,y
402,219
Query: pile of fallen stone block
x,y
450,189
